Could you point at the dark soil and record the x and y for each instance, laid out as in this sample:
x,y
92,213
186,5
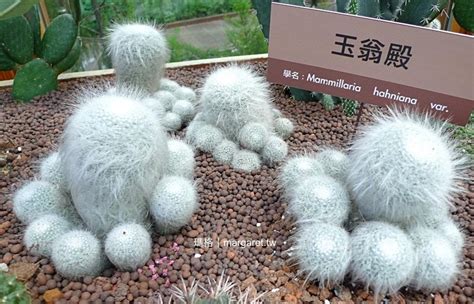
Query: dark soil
x,y
233,205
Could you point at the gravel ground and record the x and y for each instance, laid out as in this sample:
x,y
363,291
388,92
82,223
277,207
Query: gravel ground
x,y
233,205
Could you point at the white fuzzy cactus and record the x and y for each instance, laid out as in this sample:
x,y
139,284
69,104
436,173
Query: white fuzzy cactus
x,y
297,168
246,160
253,136
274,151
437,265
41,233
383,256
166,98
224,152
180,159
323,252
38,198
155,106
283,127
207,137
334,162
128,246
185,109
78,253
172,204
114,152
320,198
401,167
139,53
233,96
185,93
51,170
236,102
172,121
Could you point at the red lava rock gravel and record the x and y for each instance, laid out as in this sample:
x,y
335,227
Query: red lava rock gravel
x,y
233,206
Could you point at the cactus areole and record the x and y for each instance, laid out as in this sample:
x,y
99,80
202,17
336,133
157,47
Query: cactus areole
x,y
374,59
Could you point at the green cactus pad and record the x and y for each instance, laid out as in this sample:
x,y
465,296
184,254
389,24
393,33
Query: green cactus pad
x,y
16,38
421,12
464,14
70,59
6,63
14,8
35,78
58,39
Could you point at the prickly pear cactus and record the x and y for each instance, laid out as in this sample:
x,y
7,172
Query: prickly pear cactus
x,y
38,62
12,291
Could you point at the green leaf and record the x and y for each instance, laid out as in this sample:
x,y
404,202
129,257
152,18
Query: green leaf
x,y
33,79
70,59
464,13
15,8
420,12
16,38
58,38
33,18
6,64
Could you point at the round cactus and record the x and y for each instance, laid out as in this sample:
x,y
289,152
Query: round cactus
x,y
139,53
128,246
207,137
276,113
184,109
172,121
454,235
246,160
185,93
173,203
323,252
224,152
298,168
155,106
78,253
38,198
320,198
192,128
51,171
437,264
283,127
233,96
383,257
275,150
168,85
166,99
114,153
335,163
181,159
401,167
41,233
253,136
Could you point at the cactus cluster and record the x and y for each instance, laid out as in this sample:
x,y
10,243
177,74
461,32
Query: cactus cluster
x,y
116,172
237,122
321,205
401,173
37,60
139,53
12,291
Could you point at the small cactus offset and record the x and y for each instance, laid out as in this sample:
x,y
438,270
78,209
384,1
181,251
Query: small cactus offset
x,y
12,291
37,61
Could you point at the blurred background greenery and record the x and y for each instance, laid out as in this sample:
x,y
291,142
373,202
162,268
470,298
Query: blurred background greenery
x,y
238,26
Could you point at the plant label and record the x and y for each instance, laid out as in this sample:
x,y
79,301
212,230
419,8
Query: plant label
x,y
371,60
